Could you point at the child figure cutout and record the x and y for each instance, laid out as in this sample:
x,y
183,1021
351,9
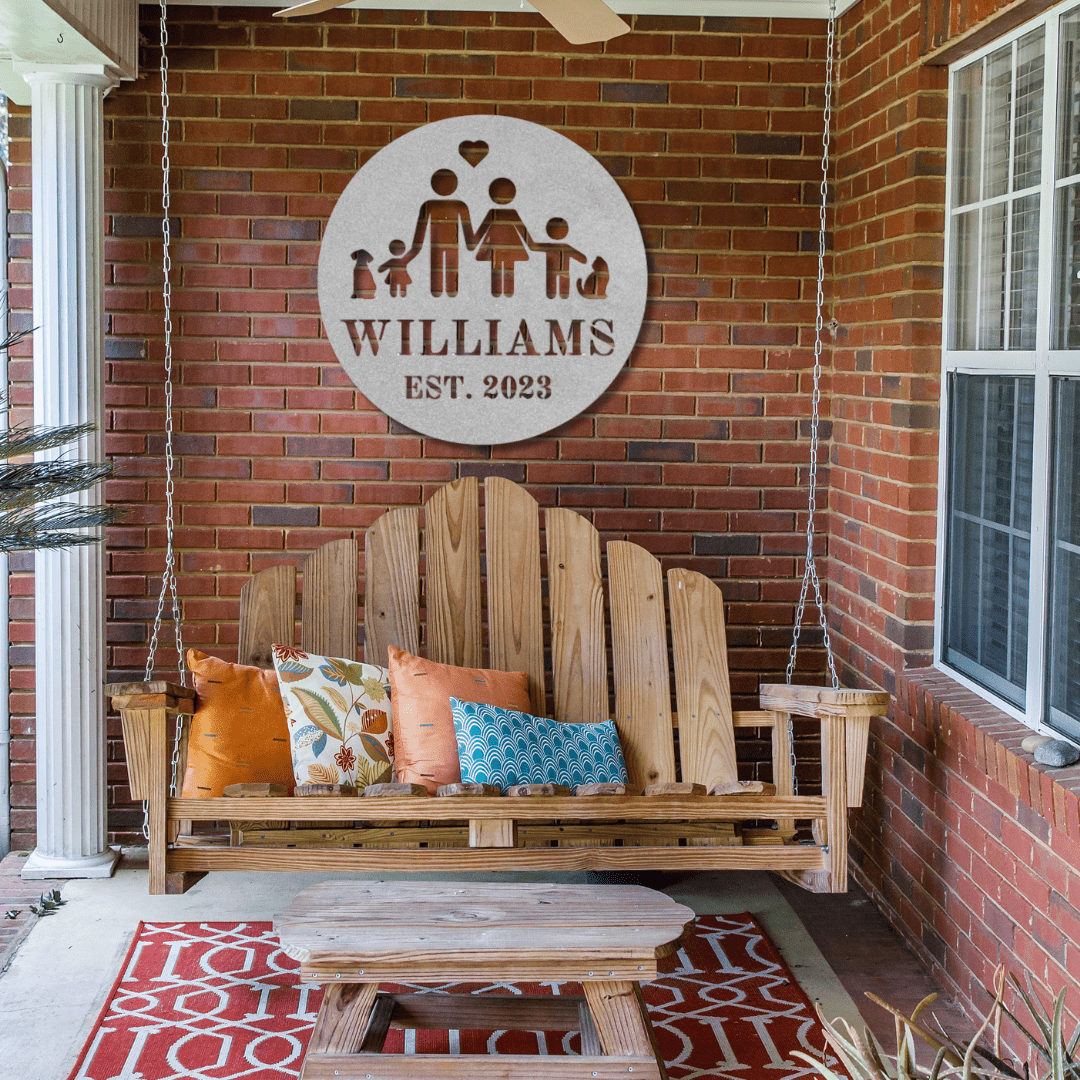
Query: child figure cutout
x,y
503,238
363,284
398,279
559,257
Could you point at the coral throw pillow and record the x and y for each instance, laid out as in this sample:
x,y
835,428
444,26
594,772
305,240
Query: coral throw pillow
x,y
427,750
339,718
507,747
238,734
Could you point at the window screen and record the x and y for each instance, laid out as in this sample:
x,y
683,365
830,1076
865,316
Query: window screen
x,y
1063,682
989,529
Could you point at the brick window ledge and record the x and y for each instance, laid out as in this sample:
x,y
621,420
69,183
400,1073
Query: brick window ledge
x,y
970,848
971,728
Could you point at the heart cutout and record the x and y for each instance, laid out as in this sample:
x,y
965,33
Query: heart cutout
x,y
473,152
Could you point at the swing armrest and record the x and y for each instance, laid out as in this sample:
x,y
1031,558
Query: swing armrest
x,y
822,703
146,695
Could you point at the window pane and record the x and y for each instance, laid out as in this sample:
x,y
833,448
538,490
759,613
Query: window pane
x,y
992,288
988,533
1067,272
967,134
998,122
1069,96
1024,279
965,279
1063,680
1027,151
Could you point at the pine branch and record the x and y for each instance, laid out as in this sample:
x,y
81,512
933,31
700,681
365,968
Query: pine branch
x,y
16,442
41,527
40,481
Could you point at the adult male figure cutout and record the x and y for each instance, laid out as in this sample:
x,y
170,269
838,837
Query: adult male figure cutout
x,y
440,220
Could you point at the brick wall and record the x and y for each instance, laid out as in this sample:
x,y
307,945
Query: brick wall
x,y
699,449
972,850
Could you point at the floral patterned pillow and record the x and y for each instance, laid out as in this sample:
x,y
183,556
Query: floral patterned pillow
x,y
339,718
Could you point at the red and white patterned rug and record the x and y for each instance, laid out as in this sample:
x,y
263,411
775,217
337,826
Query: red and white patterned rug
x,y
220,1001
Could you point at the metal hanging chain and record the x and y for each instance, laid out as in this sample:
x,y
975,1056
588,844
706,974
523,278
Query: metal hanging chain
x,y
810,574
168,576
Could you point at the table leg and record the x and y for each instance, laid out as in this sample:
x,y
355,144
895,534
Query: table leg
x,y
342,1020
622,1021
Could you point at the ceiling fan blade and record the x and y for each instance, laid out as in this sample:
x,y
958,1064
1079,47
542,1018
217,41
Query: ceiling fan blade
x,y
309,7
582,21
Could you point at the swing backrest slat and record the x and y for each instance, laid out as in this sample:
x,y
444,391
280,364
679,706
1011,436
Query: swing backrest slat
x,y
515,614
515,604
392,584
452,553
702,686
328,609
640,662
576,596
267,614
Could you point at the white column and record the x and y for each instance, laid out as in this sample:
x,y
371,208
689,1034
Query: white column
x,y
67,154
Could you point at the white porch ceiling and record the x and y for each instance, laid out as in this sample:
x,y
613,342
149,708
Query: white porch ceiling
x,y
70,33
781,9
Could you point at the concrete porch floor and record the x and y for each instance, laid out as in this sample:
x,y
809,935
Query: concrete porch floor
x,y
60,970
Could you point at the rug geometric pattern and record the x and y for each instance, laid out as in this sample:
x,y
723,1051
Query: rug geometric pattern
x,y
220,1001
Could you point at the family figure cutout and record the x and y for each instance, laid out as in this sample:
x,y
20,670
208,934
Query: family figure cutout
x,y
501,239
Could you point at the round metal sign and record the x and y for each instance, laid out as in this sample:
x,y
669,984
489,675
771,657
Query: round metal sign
x,y
482,279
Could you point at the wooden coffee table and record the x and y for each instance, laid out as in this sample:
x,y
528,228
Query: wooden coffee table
x,y
351,936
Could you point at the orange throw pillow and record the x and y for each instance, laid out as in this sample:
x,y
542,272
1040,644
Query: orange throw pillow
x,y
425,750
238,733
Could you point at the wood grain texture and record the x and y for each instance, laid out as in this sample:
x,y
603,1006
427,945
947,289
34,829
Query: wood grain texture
x,y
667,790
470,1067
378,1025
640,662
381,791
267,614
487,833
392,584
532,791
157,790
484,1012
618,1021
463,790
136,727
858,740
835,789
576,596
255,791
343,1018
435,930
743,787
602,808
329,600
514,606
816,701
702,686
590,1037
781,770
158,686
467,860
452,548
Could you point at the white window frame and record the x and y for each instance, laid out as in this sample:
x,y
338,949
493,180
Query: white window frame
x,y
1042,363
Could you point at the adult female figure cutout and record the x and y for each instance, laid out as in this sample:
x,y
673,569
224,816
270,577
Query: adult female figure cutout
x,y
503,238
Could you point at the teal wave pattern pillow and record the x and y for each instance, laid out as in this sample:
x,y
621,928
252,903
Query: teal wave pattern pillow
x,y
507,747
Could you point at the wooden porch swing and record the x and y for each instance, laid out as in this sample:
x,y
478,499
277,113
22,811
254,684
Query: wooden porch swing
x,y
678,812
667,819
